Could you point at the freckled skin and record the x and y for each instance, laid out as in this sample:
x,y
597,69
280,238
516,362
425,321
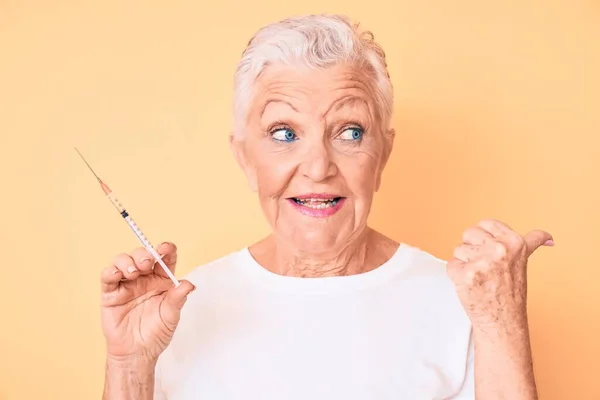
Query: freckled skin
x,y
489,271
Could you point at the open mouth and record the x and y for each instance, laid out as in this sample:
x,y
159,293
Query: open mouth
x,y
317,203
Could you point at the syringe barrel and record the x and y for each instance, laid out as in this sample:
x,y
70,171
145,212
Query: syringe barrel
x,y
138,232
136,229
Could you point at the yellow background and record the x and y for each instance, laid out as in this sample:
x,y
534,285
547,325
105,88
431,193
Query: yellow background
x,y
497,112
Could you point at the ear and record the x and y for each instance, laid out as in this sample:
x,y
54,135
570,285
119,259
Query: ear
x,y
238,149
385,156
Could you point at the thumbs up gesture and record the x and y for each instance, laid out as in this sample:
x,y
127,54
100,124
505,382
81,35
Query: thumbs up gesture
x,y
489,271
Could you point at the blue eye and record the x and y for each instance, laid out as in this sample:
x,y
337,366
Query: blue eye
x,y
353,133
284,135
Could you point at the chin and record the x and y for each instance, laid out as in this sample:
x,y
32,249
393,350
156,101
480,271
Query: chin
x,y
317,242
314,235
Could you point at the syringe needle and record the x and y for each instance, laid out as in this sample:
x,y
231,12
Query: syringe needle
x,y
88,165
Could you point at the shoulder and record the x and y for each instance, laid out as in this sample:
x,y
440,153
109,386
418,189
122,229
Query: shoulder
x,y
217,283
411,259
426,278
422,264
217,272
434,296
220,283
424,267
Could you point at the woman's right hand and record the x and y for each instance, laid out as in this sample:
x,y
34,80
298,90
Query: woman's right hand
x,y
140,305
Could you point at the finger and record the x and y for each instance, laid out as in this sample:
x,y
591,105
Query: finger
x,y
476,236
144,261
168,252
124,263
495,228
110,279
537,238
467,252
174,301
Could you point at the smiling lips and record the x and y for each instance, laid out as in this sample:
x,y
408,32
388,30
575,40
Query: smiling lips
x,y
318,205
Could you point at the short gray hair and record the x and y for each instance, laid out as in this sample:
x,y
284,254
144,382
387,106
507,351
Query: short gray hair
x,y
317,41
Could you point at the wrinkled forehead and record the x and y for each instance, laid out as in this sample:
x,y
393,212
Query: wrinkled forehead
x,y
321,92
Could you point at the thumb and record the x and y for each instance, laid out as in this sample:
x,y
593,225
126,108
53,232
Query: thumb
x,y
174,301
537,238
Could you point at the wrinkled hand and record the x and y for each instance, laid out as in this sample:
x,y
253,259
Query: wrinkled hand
x,y
140,306
489,270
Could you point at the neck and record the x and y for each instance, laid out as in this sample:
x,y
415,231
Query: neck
x,y
364,252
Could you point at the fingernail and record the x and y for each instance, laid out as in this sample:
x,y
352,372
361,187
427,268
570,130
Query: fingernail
x,y
131,269
116,271
143,260
549,242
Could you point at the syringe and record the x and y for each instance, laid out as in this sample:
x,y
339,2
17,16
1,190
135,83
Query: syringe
x,y
113,199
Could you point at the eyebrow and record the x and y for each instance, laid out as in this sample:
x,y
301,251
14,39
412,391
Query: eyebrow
x,y
276,101
350,99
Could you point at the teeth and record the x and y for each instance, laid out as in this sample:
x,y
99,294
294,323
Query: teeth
x,y
319,206
316,200
317,203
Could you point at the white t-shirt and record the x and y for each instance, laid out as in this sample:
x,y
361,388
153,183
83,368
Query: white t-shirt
x,y
395,332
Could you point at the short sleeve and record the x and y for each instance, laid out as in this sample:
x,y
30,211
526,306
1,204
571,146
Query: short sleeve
x,y
467,390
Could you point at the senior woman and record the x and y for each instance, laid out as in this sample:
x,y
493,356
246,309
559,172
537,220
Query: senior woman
x,y
324,307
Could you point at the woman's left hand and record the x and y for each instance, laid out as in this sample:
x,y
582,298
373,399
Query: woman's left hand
x,y
489,271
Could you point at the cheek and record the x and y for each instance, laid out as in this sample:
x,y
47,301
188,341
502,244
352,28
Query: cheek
x,y
360,173
273,174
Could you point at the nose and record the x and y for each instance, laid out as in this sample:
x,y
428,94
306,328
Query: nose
x,y
318,163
